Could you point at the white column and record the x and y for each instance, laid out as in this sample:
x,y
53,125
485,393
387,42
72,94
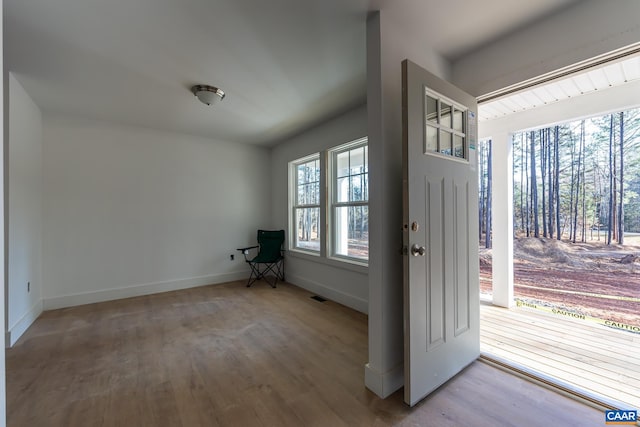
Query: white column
x,y
502,222
384,372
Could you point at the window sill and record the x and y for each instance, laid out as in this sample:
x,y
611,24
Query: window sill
x,y
345,264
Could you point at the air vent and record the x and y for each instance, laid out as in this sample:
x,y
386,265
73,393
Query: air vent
x,y
318,298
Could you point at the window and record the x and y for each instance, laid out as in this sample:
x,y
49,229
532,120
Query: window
x,y
446,127
350,200
306,207
333,225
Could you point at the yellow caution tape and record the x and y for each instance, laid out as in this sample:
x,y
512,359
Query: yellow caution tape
x,y
588,294
571,315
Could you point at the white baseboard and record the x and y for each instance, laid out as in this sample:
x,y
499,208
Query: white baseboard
x,y
350,301
20,327
139,290
384,384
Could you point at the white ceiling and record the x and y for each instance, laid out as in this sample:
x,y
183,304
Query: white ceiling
x,y
285,65
597,79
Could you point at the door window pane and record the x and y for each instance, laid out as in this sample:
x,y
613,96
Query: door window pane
x,y
445,114
431,140
458,120
445,142
432,109
458,146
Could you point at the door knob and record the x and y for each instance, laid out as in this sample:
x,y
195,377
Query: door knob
x,y
418,250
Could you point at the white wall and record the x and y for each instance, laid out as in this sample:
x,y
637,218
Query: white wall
x,y
24,175
389,42
338,281
585,30
131,211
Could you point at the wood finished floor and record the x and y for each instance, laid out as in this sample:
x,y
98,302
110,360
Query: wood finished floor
x,y
226,355
600,361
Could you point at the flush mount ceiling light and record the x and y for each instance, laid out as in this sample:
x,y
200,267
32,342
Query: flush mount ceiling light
x,y
208,94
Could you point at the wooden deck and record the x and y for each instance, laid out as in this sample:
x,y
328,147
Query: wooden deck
x,y
584,356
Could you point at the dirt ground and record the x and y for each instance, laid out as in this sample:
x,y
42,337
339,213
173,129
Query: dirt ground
x,y
590,279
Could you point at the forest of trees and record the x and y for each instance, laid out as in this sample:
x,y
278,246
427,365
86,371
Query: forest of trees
x,y
578,181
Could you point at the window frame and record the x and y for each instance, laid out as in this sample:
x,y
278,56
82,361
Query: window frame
x,y
295,206
334,204
326,207
436,123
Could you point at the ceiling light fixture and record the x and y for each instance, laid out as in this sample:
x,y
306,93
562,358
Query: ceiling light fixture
x,y
208,94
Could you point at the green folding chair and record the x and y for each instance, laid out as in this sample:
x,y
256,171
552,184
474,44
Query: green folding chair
x,y
270,257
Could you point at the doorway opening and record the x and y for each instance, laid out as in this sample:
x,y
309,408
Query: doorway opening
x,y
576,241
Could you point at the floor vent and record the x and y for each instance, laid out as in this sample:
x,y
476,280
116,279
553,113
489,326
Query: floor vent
x,y
318,298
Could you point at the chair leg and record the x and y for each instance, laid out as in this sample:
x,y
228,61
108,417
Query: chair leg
x,y
269,267
275,281
277,268
255,274
281,269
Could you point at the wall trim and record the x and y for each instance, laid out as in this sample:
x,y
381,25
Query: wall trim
x,y
139,290
350,301
344,264
21,326
570,70
383,383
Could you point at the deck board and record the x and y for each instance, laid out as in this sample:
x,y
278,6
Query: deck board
x,y
587,356
564,346
605,372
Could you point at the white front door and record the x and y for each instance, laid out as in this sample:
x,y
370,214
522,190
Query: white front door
x,y
440,198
